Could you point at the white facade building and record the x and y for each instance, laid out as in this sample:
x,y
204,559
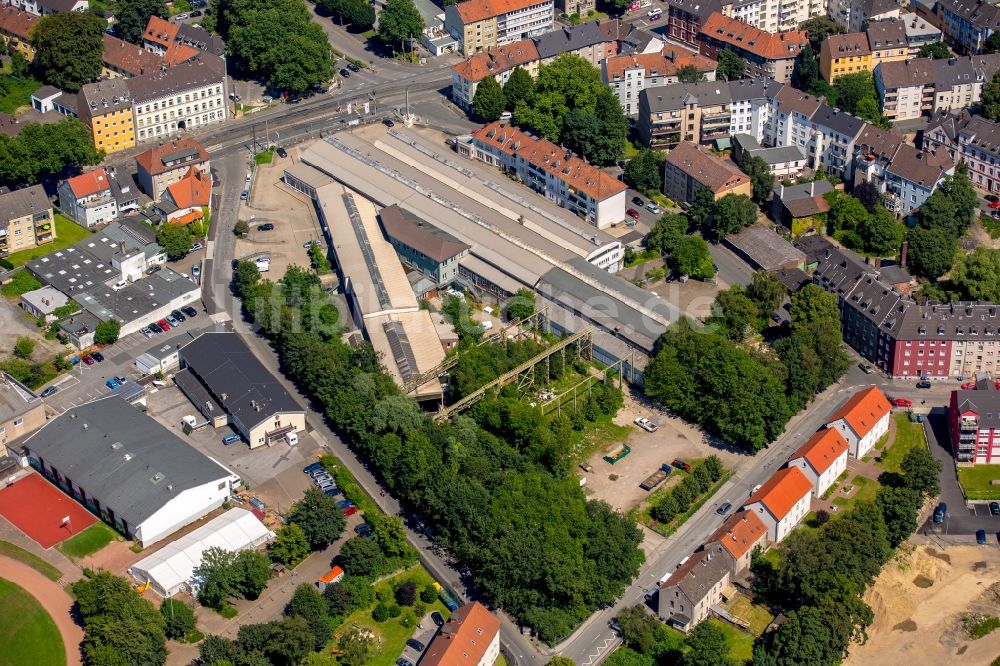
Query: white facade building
x,y
782,502
184,97
822,459
862,420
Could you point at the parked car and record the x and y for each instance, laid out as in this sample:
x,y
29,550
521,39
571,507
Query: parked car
x,y
940,512
633,213
332,492
995,204
49,391
638,201
415,644
866,368
97,356
362,528
178,315
653,208
196,270
724,508
354,68
189,311
343,504
310,243
680,464
230,439
112,384
437,619
981,537
282,153
173,322
265,227
646,424
88,359
969,386
388,122
180,17
923,384
309,469
995,508
345,73
155,328
196,246
403,662
992,198
147,331
196,13
350,511
163,324
902,402
120,379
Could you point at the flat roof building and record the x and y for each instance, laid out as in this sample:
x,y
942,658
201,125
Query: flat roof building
x,y
765,250
21,411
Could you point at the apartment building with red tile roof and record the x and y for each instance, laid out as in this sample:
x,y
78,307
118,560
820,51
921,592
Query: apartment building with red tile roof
x,y
167,163
499,62
686,598
782,502
192,192
470,637
159,35
862,420
124,59
482,24
739,535
822,459
629,75
689,167
766,54
555,172
15,30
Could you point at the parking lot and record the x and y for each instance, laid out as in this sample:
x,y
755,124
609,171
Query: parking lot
x,y
424,633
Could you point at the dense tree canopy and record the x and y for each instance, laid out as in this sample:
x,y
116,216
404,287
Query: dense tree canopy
x,y
399,21
819,28
931,252
359,14
41,151
69,49
760,176
936,50
977,275
489,101
175,240
131,17
644,172
691,257
732,213
519,87
731,67
120,626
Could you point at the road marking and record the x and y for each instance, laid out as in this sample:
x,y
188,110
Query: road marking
x,y
591,659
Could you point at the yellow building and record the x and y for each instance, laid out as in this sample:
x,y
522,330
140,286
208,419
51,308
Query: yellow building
x,y
26,220
844,54
106,108
887,41
485,24
15,30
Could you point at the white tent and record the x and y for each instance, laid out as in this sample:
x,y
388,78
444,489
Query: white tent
x,y
170,569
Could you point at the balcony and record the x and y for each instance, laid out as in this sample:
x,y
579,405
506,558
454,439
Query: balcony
x,y
968,423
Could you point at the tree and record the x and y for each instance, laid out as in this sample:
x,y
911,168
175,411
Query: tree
x,y
732,213
120,626
241,228
355,592
731,67
766,291
760,176
400,21
899,511
625,656
69,49
937,50
319,517
582,132
667,233
931,252
175,240
217,576
24,347
692,258
846,213
868,195
252,571
644,172
707,646
977,274
357,645
992,44
107,331
702,206
736,313
46,150
521,305
850,89
362,557
882,233
689,74
488,102
520,87
560,661
812,303
308,603
290,545
178,618
614,128
245,276
806,71
132,16
406,594
819,28
360,14
921,471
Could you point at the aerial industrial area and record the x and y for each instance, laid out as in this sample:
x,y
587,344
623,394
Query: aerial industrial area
x,y
527,332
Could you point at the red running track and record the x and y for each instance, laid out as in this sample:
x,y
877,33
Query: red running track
x,y
37,508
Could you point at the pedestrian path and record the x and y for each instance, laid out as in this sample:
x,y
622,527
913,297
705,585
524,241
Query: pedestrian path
x,y
53,599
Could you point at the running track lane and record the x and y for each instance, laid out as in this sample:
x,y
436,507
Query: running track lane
x,y
53,599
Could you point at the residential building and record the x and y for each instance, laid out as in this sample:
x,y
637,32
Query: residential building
x,y
968,138
21,412
105,107
862,420
26,220
629,75
48,7
911,88
187,96
852,15
594,41
739,535
165,164
685,19
553,172
98,196
577,7
918,32
693,112
825,134
766,54
967,24
686,598
498,62
844,54
782,161
689,167
422,246
822,459
910,178
781,502
41,303
128,469
481,24
15,31
800,207
974,422
764,249
238,385
187,200
123,59
177,42
471,637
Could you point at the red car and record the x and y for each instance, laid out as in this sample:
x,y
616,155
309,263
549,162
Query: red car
x,y
997,385
995,204
633,213
902,402
350,510
88,359
163,324
680,464
969,386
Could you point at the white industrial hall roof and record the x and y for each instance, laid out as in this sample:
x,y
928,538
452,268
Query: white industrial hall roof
x,y
169,569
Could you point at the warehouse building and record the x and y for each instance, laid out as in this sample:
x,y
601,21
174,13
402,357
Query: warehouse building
x,y
128,469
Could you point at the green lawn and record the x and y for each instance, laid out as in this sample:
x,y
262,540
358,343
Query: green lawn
x,y
391,634
89,541
740,642
976,481
18,92
908,435
758,616
27,633
68,233
264,157
32,560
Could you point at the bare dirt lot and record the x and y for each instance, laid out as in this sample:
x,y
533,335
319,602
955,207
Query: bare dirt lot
x,y
919,605
673,439
14,323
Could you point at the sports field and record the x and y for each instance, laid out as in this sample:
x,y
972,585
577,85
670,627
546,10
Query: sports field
x,y
28,636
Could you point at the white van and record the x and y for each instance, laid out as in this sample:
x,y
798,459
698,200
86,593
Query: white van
x,y
292,438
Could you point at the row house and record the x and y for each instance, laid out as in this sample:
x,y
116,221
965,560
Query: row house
x,y
852,15
685,19
967,24
692,112
481,24
766,54
885,41
26,220
903,174
862,420
47,7
184,97
687,596
629,75
822,459
179,41
554,172
98,197
971,139
974,422
923,86
123,59
781,502
499,62
105,107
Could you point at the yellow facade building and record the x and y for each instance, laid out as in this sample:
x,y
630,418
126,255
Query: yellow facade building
x,y
15,30
106,108
844,54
